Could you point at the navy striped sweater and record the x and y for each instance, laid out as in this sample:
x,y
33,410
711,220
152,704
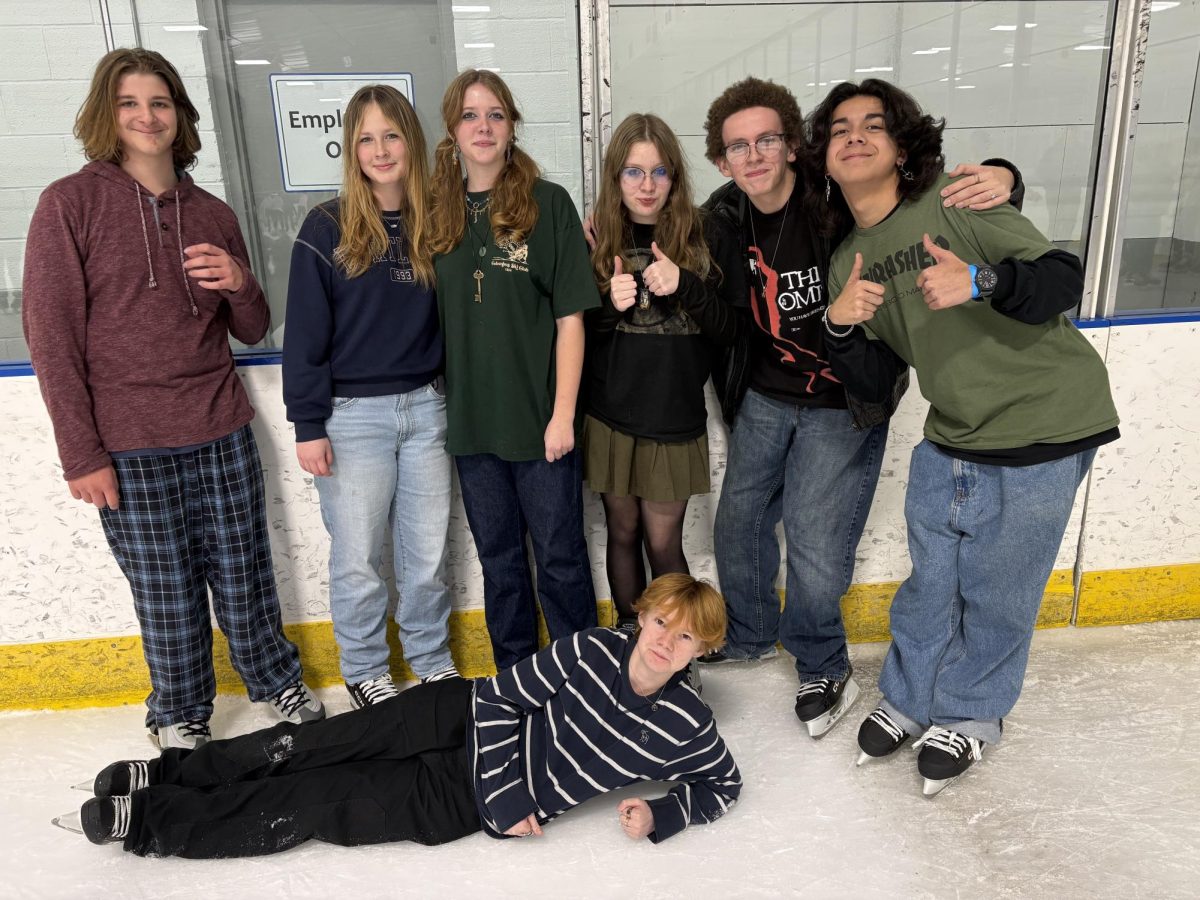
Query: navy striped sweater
x,y
564,725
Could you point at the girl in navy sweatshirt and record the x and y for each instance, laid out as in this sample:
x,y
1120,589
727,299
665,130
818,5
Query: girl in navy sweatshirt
x,y
649,349
362,381
591,713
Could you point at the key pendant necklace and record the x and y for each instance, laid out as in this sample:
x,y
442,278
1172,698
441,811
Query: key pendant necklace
x,y
643,300
480,246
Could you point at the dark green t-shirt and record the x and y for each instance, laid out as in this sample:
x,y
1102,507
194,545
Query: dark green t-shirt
x,y
500,378
992,382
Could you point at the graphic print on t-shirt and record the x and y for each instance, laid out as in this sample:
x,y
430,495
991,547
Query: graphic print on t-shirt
x,y
787,306
650,313
401,270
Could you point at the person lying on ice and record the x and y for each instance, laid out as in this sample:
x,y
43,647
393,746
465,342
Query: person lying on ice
x,y
590,713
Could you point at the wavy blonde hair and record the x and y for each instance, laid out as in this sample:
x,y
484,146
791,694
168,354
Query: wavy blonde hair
x,y
679,231
512,211
363,237
96,121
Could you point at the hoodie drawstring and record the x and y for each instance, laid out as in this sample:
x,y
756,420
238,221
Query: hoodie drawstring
x,y
152,281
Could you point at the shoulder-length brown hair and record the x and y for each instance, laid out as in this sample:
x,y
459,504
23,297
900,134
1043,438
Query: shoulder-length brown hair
x,y
679,231
96,122
512,211
363,235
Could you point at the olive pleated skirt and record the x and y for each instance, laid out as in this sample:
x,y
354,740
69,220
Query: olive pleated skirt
x,y
627,466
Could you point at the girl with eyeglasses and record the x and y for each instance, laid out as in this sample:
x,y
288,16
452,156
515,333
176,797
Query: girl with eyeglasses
x,y
513,281
649,349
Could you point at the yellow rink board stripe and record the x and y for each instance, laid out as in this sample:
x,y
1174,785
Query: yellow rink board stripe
x,y
111,671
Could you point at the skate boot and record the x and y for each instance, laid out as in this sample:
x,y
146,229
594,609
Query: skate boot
x,y
945,755
184,735
627,624
296,704
105,819
718,657
121,778
820,703
372,691
879,735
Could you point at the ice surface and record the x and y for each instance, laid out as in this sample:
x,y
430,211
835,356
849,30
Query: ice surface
x,y
1094,792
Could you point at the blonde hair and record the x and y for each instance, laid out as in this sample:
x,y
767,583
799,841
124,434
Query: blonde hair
x,y
698,605
512,210
679,231
363,237
96,121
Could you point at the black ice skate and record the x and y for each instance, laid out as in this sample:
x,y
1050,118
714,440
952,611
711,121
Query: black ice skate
x,y
102,820
820,703
879,735
944,755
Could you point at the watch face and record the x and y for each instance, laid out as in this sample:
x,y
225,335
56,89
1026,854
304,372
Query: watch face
x,y
986,279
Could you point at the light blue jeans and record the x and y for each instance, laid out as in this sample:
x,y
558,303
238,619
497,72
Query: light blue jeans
x,y
389,466
814,471
983,540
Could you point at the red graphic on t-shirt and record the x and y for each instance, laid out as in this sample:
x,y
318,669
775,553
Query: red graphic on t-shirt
x,y
768,279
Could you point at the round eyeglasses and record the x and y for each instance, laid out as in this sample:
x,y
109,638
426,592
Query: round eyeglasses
x,y
634,175
767,145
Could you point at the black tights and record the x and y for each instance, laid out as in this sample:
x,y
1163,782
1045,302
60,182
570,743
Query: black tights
x,y
633,522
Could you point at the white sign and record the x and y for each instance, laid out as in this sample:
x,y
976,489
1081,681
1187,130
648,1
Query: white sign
x,y
308,123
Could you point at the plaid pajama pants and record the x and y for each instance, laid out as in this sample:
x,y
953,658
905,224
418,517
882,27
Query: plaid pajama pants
x,y
187,523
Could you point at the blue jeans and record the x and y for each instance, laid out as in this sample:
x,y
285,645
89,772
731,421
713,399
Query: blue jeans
x,y
504,500
815,471
389,467
983,540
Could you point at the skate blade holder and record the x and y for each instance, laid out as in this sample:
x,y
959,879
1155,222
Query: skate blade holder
x,y
71,821
934,786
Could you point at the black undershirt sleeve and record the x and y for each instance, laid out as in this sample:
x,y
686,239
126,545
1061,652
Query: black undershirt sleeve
x,y
1036,290
867,369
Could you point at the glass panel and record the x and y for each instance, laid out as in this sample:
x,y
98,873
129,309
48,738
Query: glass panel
x,y
985,67
1160,255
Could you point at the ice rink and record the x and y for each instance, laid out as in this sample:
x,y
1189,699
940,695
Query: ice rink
x,y
1094,792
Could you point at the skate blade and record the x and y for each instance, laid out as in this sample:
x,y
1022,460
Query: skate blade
x,y
819,726
934,786
863,758
70,821
89,786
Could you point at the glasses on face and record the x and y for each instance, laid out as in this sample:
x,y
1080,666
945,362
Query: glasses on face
x,y
767,145
633,175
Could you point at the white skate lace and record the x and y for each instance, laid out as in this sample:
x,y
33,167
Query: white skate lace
x,y
820,686
289,699
139,775
374,690
950,742
120,829
884,721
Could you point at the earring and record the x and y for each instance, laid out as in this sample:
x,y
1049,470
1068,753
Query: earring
x,y
828,185
457,152
904,173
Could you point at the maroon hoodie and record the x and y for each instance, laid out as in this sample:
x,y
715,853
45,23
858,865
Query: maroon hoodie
x,y
130,353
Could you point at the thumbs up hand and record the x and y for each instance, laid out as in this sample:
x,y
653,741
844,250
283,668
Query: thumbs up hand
x,y
622,289
947,282
858,300
662,275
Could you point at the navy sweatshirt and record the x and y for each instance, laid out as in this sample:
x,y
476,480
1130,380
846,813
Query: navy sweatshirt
x,y
564,725
369,336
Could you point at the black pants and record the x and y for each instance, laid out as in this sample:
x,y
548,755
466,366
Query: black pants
x,y
396,771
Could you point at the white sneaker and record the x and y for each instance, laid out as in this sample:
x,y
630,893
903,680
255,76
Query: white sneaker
x,y
297,704
183,735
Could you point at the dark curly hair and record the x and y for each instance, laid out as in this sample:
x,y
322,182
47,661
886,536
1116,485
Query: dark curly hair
x,y
747,93
916,133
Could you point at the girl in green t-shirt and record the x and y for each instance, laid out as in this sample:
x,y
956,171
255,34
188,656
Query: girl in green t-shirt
x,y
513,280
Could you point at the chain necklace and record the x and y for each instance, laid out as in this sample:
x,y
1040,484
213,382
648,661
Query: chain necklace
x,y
481,250
643,300
392,222
478,208
778,238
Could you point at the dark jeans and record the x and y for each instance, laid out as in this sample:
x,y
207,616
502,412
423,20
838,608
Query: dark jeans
x,y
504,501
396,771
